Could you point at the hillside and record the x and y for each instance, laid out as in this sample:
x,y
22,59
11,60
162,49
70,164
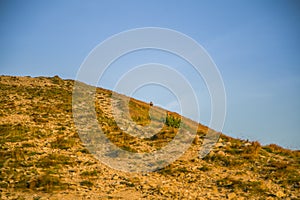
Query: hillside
x,y
42,156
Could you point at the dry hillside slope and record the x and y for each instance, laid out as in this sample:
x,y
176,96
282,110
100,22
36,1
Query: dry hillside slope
x,y
42,156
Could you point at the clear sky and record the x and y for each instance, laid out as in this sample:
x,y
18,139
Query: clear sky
x,y
255,45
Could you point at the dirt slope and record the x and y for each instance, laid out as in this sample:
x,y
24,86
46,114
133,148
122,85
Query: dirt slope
x,y
42,156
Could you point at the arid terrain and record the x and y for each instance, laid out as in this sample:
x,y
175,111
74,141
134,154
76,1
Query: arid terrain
x,y
42,156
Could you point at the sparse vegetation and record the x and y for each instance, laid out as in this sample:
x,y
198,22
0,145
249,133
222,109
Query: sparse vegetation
x,y
89,173
226,161
204,168
173,121
253,187
41,153
63,143
86,183
139,112
54,160
46,182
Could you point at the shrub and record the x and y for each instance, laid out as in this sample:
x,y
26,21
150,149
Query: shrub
x,y
204,168
86,183
53,160
226,161
251,151
63,143
13,133
253,188
274,148
89,173
47,182
173,121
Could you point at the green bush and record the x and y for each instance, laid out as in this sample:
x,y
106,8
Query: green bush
x,y
86,183
173,121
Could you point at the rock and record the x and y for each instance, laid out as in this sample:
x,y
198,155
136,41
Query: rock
x,y
129,130
270,198
218,145
231,195
228,144
211,153
196,140
221,153
247,144
115,177
18,170
280,194
78,153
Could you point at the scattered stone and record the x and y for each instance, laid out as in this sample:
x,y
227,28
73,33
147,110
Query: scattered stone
x,y
221,153
280,194
247,144
219,145
76,174
231,195
211,153
228,144
196,140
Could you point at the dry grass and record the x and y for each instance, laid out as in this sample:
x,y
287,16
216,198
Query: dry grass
x,y
40,150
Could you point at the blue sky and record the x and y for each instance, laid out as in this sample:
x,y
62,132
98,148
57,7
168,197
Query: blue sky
x,y
255,45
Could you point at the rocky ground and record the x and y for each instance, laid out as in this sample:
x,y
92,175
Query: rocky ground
x,y
42,156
